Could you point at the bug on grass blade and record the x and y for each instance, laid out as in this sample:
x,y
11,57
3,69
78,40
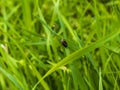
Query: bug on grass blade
x,y
64,43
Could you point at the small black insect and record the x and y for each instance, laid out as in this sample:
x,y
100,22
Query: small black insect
x,y
64,43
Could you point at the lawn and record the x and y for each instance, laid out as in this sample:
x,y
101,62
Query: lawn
x,y
59,44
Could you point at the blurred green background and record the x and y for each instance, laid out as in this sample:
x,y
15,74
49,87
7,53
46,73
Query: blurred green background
x,y
33,39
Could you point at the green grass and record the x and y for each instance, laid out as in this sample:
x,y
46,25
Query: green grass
x,y
32,56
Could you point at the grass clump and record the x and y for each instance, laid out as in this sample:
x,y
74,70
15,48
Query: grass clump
x,y
59,45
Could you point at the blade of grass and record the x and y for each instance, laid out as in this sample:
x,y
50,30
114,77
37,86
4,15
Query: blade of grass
x,y
100,81
67,25
10,77
27,13
78,79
